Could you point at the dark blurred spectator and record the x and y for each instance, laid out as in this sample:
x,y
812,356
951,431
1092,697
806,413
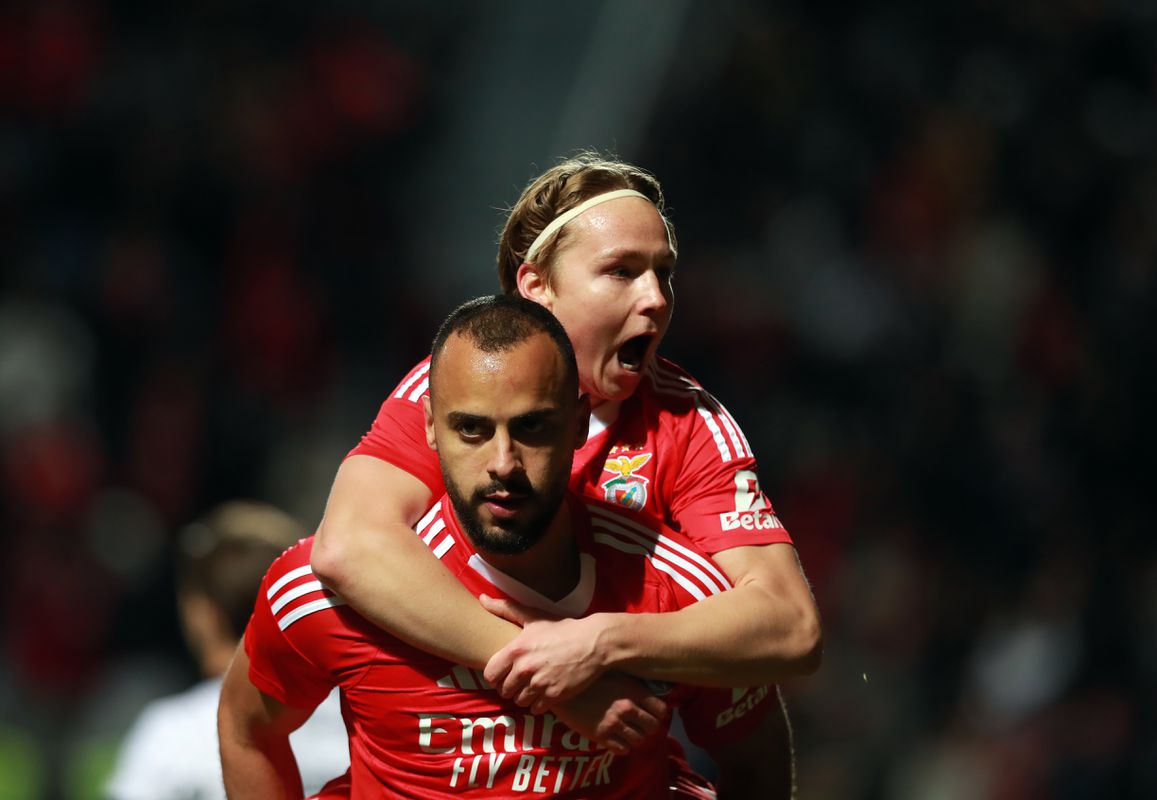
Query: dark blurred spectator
x,y
171,751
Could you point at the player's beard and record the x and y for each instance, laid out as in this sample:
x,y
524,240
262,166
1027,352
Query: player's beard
x,y
510,537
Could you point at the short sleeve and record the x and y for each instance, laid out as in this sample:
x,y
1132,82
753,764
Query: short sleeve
x,y
276,667
398,434
717,501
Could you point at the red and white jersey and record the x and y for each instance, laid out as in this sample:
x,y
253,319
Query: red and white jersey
x,y
673,453
423,727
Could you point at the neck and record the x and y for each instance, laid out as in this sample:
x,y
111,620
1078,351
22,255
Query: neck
x,y
551,566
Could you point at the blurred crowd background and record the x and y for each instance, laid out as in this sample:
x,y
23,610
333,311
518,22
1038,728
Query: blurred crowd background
x,y
918,263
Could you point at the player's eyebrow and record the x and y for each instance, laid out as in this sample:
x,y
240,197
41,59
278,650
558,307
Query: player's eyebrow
x,y
536,415
462,417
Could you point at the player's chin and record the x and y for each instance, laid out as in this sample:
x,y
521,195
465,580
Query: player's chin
x,y
619,384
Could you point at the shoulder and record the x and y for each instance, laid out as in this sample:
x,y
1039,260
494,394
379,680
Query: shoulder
x,y
622,535
415,385
441,533
292,591
292,563
675,390
667,383
686,409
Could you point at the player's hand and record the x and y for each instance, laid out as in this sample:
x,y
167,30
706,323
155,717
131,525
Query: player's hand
x,y
617,711
551,661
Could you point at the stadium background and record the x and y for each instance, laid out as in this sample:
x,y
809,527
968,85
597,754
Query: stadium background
x,y
918,263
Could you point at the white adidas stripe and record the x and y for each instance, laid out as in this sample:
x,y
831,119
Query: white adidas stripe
x,y
426,520
462,677
710,409
677,383
662,557
297,591
430,526
444,546
692,588
604,514
435,529
292,575
305,609
716,434
737,440
693,572
279,599
419,390
417,376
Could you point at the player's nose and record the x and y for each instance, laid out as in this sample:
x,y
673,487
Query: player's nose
x,y
653,298
504,457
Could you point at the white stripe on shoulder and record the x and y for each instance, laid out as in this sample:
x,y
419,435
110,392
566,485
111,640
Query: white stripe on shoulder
x,y
430,526
417,376
289,596
669,378
664,552
419,390
705,563
438,526
444,546
306,609
738,440
711,410
426,520
292,575
613,541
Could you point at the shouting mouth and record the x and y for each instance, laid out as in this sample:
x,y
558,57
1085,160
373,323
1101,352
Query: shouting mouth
x,y
633,353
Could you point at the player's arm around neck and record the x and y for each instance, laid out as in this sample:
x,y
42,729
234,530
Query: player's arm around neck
x,y
764,630
367,552
257,761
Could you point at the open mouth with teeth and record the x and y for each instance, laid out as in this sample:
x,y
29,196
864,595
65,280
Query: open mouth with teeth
x,y
633,352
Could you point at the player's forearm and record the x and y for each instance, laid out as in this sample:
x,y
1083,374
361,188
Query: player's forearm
x,y
743,637
262,771
253,734
390,577
367,552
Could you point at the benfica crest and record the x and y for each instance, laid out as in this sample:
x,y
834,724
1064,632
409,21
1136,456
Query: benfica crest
x,y
627,488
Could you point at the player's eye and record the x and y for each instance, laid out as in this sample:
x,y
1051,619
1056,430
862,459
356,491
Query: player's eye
x,y
471,429
532,426
534,429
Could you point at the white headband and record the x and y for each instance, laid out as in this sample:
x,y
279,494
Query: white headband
x,y
567,216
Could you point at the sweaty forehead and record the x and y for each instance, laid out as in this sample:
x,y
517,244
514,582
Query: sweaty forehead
x,y
629,224
465,373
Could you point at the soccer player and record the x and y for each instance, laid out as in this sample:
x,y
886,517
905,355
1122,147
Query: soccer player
x,y
589,240
171,753
505,417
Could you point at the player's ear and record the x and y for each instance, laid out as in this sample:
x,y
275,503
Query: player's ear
x,y
533,285
583,420
428,414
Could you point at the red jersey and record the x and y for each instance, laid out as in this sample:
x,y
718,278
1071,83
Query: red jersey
x,y
423,727
673,452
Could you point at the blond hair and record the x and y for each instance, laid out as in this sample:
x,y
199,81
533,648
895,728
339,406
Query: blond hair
x,y
556,191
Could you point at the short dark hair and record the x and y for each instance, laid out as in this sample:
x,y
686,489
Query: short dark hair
x,y
496,323
225,554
